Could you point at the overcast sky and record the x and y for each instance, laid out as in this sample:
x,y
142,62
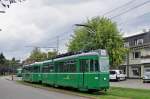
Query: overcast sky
x,y
38,22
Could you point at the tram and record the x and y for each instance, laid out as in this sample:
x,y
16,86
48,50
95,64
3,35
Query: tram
x,y
84,71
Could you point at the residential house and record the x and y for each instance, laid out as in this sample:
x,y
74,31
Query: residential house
x,y
138,57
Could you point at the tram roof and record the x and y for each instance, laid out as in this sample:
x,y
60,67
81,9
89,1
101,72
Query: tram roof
x,y
46,61
33,64
77,55
94,53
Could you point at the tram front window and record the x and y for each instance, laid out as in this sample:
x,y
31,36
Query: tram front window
x,y
89,65
94,65
104,64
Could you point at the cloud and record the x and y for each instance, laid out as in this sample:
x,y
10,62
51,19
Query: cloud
x,y
37,23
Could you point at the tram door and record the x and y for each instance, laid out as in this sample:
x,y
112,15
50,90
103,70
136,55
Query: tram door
x,y
81,74
89,72
82,69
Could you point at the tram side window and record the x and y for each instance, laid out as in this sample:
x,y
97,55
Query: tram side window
x,y
94,66
73,66
56,68
51,67
30,69
35,69
67,66
84,65
61,67
48,68
45,68
25,70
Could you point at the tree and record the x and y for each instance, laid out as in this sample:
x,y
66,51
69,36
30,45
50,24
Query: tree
x,y
99,33
37,55
51,54
2,59
14,64
7,3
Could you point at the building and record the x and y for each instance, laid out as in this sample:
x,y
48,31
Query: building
x,y
138,57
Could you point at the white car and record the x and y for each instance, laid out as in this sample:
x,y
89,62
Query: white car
x,y
146,77
117,75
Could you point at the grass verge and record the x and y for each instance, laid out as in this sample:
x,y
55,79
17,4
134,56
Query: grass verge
x,y
112,93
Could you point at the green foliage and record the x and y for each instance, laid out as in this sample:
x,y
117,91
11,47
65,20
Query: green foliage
x,y
51,54
37,55
2,59
127,93
99,33
14,62
8,66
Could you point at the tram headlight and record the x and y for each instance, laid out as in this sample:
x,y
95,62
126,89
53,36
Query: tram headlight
x,y
104,78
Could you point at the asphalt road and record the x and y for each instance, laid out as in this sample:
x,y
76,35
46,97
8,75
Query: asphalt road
x,y
13,90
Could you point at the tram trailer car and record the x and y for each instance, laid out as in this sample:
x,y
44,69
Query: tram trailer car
x,y
19,72
85,71
32,72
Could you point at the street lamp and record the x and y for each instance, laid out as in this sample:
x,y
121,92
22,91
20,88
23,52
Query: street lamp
x,y
83,25
87,26
2,11
92,33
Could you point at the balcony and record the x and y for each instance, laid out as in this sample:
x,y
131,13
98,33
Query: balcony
x,y
144,61
135,61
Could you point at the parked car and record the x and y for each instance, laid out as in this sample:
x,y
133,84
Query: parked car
x,y
117,75
146,77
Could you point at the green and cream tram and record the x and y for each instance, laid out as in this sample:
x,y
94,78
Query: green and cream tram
x,y
84,71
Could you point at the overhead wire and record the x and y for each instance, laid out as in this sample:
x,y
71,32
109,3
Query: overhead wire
x,y
111,11
137,6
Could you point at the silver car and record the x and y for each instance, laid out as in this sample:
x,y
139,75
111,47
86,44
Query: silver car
x,y
146,77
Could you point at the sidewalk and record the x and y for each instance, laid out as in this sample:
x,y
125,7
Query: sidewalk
x,y
131,83
14,77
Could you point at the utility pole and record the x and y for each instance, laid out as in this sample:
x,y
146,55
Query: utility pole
x,y
57,45
12,77
12,67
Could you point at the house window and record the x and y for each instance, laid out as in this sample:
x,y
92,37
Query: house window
x,y
135,42
136,55
139,41
126,44
136,71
